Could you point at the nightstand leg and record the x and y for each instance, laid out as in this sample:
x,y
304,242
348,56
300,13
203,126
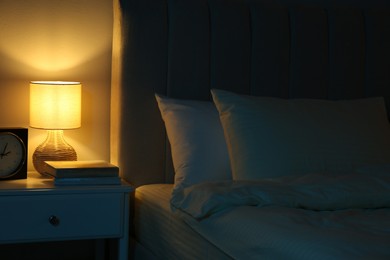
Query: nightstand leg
x,y
123,243
100,249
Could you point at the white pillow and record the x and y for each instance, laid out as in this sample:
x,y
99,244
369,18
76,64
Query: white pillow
x,y
198,147
271,137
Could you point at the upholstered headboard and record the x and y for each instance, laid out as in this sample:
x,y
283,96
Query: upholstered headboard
x,y
181,48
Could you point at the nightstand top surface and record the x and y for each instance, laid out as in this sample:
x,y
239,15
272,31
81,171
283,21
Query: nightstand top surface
x,y
35,183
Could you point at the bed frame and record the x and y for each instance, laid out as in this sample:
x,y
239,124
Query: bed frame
x,y
182,48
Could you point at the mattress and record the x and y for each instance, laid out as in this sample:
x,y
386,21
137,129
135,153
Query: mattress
x,y
164,234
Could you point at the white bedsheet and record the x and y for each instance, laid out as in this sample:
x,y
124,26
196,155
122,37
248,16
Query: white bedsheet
x,y
307,217
163,234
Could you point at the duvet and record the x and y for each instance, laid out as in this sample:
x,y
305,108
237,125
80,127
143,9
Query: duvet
x,y
317,216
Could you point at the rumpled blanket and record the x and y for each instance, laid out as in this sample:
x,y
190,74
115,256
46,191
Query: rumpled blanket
x,y
314,216
314,192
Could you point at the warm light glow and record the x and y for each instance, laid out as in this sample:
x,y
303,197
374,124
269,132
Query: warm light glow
x,y
55,104
54,36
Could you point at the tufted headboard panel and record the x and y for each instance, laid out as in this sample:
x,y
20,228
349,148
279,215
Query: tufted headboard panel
x,y
289,49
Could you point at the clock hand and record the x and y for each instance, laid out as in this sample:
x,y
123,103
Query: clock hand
x,y
3,153
5,148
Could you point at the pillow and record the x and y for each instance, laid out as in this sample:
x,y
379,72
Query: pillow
x,y
271,137
199,151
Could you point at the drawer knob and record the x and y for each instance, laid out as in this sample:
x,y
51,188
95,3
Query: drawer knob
x,y
54,221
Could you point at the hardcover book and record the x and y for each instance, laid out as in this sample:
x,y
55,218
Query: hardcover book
x,y
87,181
81,169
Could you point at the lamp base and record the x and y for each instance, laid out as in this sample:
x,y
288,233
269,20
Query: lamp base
x,y
54,148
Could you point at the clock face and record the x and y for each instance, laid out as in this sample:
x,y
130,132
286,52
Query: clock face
x,y
12,154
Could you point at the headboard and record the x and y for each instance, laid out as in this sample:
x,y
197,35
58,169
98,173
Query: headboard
x,y
181,48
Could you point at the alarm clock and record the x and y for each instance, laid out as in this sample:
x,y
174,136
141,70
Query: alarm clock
x,y
13,153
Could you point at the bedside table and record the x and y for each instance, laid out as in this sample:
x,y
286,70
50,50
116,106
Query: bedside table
x,y
34,210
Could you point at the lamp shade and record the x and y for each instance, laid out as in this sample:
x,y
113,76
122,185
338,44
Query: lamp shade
x,y
55,104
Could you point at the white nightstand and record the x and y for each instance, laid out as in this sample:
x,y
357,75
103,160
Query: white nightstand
x,y
34,210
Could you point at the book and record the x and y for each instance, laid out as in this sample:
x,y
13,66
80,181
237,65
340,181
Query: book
x,y
81,169
87,181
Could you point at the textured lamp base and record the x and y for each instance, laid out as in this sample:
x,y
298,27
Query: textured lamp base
x,y
54,148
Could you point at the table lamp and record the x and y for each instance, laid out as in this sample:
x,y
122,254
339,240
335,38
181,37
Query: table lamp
x,y
54,106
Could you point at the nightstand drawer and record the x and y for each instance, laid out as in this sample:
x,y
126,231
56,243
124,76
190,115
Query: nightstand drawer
x,y
57,217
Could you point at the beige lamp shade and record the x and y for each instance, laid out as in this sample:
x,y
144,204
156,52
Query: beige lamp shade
x,y
55,104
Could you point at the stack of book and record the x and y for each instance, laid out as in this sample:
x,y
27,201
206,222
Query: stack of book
x,y
67,173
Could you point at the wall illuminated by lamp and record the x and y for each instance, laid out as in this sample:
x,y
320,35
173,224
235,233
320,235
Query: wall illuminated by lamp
x,y
56,39
53,35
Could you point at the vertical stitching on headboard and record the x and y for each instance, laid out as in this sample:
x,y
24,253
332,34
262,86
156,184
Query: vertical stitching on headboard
x,y
168,48
328,52
166,141
250,48
364,55
210,47
290,78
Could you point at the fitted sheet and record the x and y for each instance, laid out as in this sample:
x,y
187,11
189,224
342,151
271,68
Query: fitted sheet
x,y
163,233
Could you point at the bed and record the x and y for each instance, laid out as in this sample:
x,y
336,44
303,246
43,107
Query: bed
x,y
254,129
